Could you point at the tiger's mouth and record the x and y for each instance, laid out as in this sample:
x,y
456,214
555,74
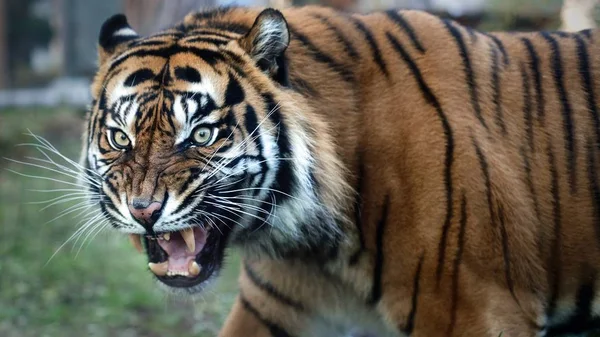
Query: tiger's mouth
x,y
182,259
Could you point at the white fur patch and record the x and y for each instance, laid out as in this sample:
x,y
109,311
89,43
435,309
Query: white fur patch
x,y
192,106
181,115
206,87
203,101
130,118
119,92
125,32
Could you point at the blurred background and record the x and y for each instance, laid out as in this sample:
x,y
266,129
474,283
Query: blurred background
x,y
97,285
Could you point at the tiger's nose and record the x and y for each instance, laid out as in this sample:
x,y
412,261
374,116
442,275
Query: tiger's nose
x,y
145,211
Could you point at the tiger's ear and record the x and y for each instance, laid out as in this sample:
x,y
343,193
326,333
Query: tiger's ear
x,y
114,33
266,43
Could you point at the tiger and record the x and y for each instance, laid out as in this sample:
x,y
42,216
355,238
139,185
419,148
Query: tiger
x,y
382,174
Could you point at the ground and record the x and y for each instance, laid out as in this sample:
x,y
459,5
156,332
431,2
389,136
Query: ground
x,y
99,287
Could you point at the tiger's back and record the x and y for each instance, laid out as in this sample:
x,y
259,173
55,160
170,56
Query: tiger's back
x,y
472,157
477,160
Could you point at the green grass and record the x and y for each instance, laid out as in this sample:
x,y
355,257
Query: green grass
x,y
104,289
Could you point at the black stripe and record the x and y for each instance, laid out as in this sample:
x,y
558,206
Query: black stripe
x,y
357,212
587,33
468,70
497,95
585,297
406,27
166,106
472,33
188,74
251,127
302,86
209,40
594,186
194,174
285,180
372,44
506,253
138,77
529,180
202,111
500,46
487,181
108,182
128,110
534,63
554,264
348,47
168,34
234,94
457,261
274,329
559,33
376,289
235,58
209,56
410,321
585,71
449,155
149,42
582,320
208,31
100,107
527,109
569,128
504,235
343,71
113,110
271,290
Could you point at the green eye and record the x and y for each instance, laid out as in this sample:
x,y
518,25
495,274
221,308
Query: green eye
x,y
119,140
202,136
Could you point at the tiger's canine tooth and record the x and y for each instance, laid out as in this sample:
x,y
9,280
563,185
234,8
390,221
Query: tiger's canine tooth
x,y
159,269
188,237
136,241
193,268
167,236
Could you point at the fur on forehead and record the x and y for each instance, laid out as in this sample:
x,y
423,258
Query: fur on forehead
x,y
185,73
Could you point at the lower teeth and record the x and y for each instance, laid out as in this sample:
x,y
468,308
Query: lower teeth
x,y
161,269
177,273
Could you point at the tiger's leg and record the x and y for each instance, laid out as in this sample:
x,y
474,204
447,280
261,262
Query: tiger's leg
x,y
260,312
244,320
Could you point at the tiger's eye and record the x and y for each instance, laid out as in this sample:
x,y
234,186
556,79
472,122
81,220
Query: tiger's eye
x,y
202,135
120,141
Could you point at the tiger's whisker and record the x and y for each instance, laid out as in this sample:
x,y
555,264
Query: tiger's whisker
x,y
62,245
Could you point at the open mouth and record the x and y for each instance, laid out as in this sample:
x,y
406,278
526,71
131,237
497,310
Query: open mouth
x,y
182,259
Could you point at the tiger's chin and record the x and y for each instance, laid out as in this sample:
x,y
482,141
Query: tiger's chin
x,y
183,261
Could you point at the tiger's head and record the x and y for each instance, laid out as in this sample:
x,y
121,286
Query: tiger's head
x,y
196,142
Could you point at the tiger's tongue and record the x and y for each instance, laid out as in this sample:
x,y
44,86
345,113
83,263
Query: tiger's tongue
x,y
178,249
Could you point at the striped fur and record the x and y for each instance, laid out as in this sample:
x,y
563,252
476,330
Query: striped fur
x,y
425,179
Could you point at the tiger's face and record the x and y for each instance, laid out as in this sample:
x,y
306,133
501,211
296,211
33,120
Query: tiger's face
x,y
193,148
